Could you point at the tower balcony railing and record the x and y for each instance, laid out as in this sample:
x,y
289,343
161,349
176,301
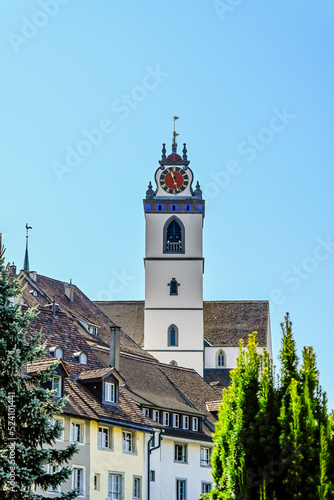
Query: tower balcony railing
x,y
174,246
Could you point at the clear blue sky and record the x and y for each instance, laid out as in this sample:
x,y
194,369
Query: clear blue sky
x,y
252,83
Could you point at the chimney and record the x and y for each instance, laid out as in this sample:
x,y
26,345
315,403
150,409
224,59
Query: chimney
x,y
69,292
54,308
12,269
114,347
33,275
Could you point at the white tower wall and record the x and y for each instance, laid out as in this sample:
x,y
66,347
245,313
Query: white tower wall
x,y
181,311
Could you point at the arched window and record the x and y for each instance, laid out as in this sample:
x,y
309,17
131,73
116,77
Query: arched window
x,y
173,336
173,236
173,362
83,358
220,359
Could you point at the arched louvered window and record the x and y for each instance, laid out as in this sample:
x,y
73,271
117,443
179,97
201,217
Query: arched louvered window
x,y
173,236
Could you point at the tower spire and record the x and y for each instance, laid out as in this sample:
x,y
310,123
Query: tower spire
x,y
26,255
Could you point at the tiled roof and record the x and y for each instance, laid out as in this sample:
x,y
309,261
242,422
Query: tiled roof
x,y
92,374
38,366
83,403
218,378
213,405
61,331
225,322
148,385
82,307
192,388
129,315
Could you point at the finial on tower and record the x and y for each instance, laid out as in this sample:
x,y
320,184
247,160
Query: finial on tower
x,y
26,256
150,192
175,134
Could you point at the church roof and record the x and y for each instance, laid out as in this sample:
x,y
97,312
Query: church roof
x,y
225,321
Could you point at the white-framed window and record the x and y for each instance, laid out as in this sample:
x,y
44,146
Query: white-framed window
x,y
56,386
155,415
78,480
136,487
109,392
180,453
194,424
60,421
92,330
181,490
220,358
96,482
129,441
165,418
185,422
146,412
206,487
104,437
176,420
205,457
52,469
115,486
77,432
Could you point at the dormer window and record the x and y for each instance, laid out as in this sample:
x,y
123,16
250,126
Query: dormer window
x,y
92,330
109,392
57,386
58,353
81,357
103,383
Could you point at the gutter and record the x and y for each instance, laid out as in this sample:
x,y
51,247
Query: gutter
x,y
149,451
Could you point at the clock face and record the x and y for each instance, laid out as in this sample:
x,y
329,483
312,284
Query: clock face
x,y
174,180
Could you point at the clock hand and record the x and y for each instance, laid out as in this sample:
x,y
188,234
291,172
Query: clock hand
x,y
174,181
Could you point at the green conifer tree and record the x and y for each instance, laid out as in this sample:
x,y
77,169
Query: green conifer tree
x,y
27,434
274,441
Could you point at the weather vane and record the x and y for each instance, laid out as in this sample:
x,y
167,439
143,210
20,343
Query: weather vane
x,y
174,133
27,228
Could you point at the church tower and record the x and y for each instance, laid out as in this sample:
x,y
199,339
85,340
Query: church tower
x,y
174,264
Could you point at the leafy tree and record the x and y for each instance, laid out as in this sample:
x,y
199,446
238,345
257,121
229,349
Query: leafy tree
x,y
26,408
274,440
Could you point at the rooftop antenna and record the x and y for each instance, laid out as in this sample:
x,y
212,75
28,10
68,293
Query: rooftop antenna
x,y
26,255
